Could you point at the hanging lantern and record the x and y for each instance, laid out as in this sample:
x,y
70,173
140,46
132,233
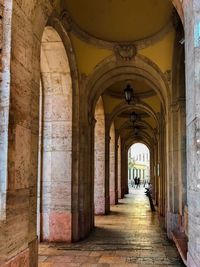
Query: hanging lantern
x,y
136,130
134,116
128,92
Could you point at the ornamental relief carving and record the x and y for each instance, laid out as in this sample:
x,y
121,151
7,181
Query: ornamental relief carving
x,y
125,52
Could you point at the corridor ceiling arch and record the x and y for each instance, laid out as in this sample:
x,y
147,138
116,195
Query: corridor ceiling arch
x,y
129,125
141,106
133,141
110,71
142,137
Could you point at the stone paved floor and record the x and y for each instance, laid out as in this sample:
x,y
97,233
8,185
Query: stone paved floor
x,y
129,236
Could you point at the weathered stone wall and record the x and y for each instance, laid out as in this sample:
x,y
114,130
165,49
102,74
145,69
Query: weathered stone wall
x,y
192,48
1,33
99,164
112,166
23,131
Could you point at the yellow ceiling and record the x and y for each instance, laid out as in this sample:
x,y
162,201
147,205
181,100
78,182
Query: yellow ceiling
x,y
87,55
161,52
120,20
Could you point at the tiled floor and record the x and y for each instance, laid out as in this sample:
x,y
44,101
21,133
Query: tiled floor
x,y
129,236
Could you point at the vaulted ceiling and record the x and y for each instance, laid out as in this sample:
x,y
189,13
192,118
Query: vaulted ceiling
x,y
120,20
95,29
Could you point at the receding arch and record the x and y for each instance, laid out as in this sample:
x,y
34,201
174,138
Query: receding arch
x,y
136,106
56,180
141,122
109,71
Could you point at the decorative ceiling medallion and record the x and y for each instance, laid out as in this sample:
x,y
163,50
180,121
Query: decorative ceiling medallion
x,y
125,52
71,26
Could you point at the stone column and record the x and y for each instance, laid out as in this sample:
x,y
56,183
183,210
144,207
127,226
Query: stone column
x,y
177,180
124,169
107,164
119,169
99,160
112,166
192,47
116,166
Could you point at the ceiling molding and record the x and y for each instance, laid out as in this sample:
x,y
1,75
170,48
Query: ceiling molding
x,y
130,47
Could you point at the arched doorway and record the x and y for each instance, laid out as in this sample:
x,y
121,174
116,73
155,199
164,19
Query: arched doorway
x,y
138,166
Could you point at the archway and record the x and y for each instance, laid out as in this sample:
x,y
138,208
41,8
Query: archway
x,y
56,140
138,165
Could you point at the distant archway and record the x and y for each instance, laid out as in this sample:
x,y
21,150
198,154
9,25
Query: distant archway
x,y
138,165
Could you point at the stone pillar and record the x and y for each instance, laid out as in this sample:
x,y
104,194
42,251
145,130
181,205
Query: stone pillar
x,y
99,161
116,166
57,140
112,166
177,180
20,104
119,169
124,169
192,47
156,180
107,164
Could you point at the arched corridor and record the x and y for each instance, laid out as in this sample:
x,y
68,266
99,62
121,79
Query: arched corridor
x,y
81,82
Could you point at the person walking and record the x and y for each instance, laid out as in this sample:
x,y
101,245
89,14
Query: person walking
x,y
135,181
138,182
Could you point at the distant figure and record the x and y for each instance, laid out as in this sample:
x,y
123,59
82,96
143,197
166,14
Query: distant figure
x,y
132,182
136,181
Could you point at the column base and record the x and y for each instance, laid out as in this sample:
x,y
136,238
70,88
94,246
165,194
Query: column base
x,y
172,223
57,227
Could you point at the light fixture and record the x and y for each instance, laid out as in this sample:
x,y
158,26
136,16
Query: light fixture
x,y
128,92
134,116
136,130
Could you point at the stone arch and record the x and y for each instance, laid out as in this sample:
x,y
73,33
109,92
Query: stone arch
x,y
133,141
137,106
127,123
99,159
178,4
144,137
110,71
112,177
